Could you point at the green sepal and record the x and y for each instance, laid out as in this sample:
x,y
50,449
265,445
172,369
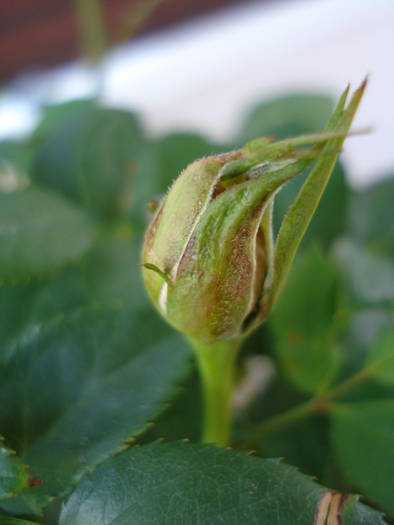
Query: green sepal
x,y
301,212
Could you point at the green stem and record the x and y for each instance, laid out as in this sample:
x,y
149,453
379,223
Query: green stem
x,y
317,404
92,28
353,381
288,416
216,364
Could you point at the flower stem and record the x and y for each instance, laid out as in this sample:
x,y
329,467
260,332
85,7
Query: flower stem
x,y
92,28
216,364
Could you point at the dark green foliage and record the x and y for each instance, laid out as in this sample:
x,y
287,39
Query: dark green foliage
x,y
90,156
13,474
88,369
7,520
99,391
371,216
368,465
94,347
15,157
306,345
182,483
330,218
40,231
287,116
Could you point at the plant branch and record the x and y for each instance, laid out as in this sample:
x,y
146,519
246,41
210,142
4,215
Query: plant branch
x,y
314,405
92,28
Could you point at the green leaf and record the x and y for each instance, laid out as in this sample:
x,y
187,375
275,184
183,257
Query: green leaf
x,y
304,323
14,476
8,520
108,370
363,437
56,115
370,276
108,275
112,273
100,389
381,357
25,309
370,217
364,327
161,163
183,416
182,483
304,444
329,220
40,231
91,157
287,116
15,158
367,323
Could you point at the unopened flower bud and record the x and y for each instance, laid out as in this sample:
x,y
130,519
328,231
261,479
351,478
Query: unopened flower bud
x,y
207,251
208,254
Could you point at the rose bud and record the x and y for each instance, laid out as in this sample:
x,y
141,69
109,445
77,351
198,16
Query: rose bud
x,y
210,264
